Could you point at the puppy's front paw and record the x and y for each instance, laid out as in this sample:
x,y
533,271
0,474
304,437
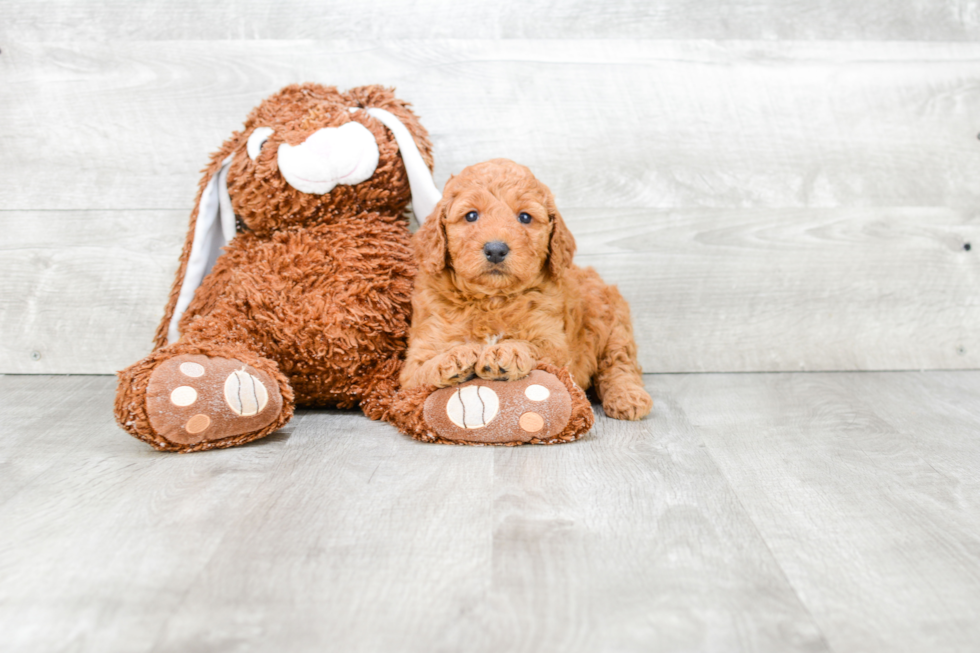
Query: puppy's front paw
x,y
630,403
451,367
506,361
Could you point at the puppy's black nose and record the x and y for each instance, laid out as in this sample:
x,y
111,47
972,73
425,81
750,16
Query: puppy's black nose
x,y
496,251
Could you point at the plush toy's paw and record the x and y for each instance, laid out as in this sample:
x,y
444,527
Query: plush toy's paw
x,y
629,403
193,398
505,361
535,409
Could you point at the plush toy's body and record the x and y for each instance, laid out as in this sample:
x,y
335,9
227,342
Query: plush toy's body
x,y
309,304
321,302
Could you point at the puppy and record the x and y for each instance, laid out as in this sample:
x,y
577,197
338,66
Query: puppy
x,y
497,293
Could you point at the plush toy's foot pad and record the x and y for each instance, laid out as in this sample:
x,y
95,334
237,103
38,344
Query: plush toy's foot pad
x,y
533,409
192,398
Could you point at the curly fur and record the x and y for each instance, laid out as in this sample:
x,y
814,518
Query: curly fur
x,y
500,320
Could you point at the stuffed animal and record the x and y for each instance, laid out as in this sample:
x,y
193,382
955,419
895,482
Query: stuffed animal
x,y
294,285
294,288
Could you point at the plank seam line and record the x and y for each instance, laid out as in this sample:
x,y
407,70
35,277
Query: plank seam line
x,y
208,564
755,527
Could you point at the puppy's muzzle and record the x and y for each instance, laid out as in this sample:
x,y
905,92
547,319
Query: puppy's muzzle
x,y
496,251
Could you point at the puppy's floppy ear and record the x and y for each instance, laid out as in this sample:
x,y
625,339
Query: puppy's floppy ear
x,y
430,240
561,248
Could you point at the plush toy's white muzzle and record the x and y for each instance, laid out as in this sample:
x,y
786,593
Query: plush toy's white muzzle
x,y
333,155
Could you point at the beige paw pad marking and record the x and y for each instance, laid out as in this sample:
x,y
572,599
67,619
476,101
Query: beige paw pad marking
x,y
192,369
197,423
531,422
537,392
183,396
245,394
473,407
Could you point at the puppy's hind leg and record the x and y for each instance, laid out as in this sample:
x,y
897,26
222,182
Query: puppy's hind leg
x,y
618,378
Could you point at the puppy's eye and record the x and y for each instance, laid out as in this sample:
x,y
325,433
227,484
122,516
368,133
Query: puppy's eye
x,y
256,140
472,216
525,218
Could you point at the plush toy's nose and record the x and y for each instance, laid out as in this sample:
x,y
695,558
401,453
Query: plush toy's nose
x,y
496,251
329,156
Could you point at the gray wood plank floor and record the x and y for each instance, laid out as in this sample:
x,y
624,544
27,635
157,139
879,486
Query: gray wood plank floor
x,y
751,512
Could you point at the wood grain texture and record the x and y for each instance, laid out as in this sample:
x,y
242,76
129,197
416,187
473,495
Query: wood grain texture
x,y
84,290
758,203
671,564
710,289
377,544
781,512
41,416
340,532
626,123
864,487
789,290
69,20
95,527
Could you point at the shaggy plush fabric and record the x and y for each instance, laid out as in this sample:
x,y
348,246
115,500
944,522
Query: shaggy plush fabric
x,y
313,294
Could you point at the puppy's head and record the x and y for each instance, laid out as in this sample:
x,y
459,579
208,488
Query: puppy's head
x,y
497,230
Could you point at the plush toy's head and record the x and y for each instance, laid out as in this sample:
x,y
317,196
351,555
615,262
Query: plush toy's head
x,y
310,154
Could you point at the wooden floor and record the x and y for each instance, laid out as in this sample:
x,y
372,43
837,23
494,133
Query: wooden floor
x,y
751,512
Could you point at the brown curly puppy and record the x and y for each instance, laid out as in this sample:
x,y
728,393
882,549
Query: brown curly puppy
x,y
497,293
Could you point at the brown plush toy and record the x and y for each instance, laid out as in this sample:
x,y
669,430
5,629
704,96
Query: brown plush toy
x,y
294,285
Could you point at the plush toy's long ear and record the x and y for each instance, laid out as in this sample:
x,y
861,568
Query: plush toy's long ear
x,y
214,228
425,195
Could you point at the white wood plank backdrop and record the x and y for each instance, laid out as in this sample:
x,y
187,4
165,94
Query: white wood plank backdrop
x,y
939,20
765,204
